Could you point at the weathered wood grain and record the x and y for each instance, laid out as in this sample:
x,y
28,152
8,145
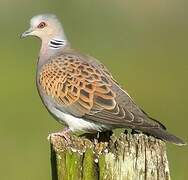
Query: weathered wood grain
x,y
126,157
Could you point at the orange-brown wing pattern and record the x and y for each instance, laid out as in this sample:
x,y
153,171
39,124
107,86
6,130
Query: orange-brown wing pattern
x,y
85,90
78,86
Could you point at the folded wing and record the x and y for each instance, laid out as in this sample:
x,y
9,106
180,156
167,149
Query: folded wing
x,y
89,91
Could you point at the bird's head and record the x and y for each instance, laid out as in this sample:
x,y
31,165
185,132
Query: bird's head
x,y
45,26
48,28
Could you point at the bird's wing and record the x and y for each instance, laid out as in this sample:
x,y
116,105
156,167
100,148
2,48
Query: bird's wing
x,y
86,89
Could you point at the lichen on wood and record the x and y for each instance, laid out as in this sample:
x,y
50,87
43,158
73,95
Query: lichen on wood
x,y
123,157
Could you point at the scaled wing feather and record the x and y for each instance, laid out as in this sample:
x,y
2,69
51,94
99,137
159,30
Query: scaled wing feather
x,y
89,91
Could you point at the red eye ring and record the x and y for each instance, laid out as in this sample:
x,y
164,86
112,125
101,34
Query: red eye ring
x,y
41,25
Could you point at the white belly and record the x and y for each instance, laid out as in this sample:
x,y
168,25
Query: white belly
x,y
77,124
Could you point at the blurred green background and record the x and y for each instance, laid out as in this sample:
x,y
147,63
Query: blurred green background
x,y
145,45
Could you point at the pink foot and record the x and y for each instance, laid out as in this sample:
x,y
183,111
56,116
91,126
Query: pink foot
x,y
64,134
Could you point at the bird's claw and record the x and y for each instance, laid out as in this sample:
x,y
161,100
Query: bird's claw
x,y
64,134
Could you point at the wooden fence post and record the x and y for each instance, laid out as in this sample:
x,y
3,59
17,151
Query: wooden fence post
x,y
126,157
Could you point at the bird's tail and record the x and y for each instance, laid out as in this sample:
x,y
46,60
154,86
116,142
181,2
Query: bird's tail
x,y
165,135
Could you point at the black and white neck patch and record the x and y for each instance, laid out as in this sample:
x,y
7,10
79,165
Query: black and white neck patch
x,y
57,43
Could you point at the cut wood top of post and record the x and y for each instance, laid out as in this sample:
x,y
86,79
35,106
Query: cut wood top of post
x,y
128,141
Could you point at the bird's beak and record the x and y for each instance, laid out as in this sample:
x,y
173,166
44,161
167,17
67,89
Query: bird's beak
x,y
27,33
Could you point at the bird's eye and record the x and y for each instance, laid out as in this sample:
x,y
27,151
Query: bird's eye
x,y
41,25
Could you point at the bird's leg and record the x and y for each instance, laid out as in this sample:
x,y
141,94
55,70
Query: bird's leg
x,y
64,134
134,131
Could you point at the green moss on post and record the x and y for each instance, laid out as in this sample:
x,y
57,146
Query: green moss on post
x,y
89,165
102,167
127,157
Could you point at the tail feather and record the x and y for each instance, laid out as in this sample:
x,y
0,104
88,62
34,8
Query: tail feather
x,y
165,135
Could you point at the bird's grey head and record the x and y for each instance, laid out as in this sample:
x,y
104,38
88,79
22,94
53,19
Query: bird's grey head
x,y
48,28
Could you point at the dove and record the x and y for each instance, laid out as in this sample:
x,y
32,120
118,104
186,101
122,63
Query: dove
x,y
80,92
